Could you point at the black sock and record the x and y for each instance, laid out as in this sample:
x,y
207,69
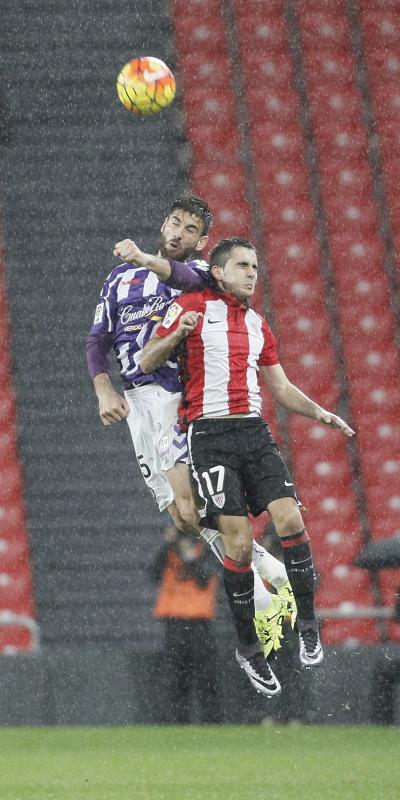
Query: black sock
x,y
239,587
300,569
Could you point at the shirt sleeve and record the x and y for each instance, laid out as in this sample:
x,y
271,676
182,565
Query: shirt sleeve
x,y
106,310
192,276
186,302
269,354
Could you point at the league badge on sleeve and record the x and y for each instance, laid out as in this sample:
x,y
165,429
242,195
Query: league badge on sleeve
x,y
98,314
172,314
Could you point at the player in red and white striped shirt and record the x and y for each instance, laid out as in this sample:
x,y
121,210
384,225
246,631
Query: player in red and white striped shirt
x,y
235,461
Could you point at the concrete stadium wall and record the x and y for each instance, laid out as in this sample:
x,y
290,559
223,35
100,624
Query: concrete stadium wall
x,y
103,685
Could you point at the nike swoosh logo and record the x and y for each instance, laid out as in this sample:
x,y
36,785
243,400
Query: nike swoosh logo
x,y
153,76
214,321
242,594
288,484
303,560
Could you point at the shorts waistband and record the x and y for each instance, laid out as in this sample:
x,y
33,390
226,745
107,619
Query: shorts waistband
x,y
138,385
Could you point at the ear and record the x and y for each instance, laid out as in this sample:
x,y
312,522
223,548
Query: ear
x,y
217,272
201,243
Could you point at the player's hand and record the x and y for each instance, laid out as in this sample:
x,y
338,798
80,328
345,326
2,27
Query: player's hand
x,y
130,252
188,322
336,422
112,407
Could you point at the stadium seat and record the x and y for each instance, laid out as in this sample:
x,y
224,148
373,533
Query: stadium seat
x,y
328,68
338,143
210,109
206,34
344,217
197,8
381,29
282,144
350,631
217,144
382,63
352,182
261,34
276,185
327,105
297,217
219,182
322,30
274,69
271,106
200,69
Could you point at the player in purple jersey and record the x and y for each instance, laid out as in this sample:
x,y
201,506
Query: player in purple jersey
x,y
133,300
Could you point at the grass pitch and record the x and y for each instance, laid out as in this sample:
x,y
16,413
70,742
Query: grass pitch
x,y
200,763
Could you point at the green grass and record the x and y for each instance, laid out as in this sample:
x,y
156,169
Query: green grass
x,y
200,763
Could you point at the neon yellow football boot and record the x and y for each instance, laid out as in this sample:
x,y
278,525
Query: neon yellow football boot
x,y
268,624
286,593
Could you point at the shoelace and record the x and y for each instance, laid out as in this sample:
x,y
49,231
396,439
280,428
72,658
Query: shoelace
x,y
258,661
310,639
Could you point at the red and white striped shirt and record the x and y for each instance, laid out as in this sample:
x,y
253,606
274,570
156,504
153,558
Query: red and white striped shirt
x,y
222,355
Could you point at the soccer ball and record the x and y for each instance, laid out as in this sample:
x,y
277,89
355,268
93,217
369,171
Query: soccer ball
x,y
146,85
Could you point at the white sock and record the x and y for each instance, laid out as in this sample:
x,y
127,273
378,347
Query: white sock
x,y
269,567
262,597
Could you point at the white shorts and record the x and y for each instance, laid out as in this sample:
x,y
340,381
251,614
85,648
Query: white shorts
x,y
156,436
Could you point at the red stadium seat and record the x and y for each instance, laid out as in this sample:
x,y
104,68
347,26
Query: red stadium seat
x,y
338,143
207,34
269,105
383,63
322,30
297,257
344,584
262,34
210,109
276,184
246,8
282,144
378,363
328,68
350,630
356,254
344,217
197,8
389,585
351,182
329,104
381,28
201,69
387,104
274,69
214,144
219,182
376,329
298,217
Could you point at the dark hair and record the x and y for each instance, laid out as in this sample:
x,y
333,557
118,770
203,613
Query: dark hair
x,y
195,206
222,250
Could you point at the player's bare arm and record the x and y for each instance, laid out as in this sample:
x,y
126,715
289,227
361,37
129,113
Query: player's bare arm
x,y
293,399
158,350
128,250
112,406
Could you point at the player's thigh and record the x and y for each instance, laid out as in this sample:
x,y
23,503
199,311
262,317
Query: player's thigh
x,y
267,477
142,432
215,473
170,441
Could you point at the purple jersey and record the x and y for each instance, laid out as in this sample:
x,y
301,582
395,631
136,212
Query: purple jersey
x,y
132,304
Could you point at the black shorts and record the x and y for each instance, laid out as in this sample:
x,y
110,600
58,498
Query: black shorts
x,y
237,466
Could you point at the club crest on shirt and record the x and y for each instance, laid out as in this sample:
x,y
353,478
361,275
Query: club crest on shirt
x,y
219,499
98,314
172,314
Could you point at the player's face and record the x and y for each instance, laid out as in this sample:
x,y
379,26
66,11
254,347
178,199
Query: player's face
x,y
239,275
181,235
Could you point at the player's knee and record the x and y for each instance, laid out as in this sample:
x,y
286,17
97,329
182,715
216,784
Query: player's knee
x,y
188,512
291,522
240,547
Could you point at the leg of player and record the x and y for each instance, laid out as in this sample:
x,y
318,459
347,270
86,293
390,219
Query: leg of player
x,y
297,554
239,588
270,609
